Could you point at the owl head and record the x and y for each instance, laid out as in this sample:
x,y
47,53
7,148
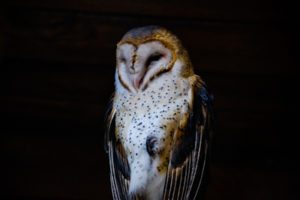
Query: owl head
x,y
145,53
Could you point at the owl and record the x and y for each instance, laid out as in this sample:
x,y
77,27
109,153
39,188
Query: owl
x,y
159,121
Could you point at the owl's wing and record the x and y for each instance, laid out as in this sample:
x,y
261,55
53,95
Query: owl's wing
x,y
188,159
119,168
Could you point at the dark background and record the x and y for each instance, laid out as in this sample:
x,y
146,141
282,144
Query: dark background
x,y
58,60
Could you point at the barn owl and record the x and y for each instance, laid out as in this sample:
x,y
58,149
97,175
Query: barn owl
x,y
159,120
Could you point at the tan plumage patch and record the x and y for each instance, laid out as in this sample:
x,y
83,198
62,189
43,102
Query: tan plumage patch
x,y
164,154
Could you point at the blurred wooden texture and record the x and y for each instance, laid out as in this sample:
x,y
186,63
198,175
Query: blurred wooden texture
x,y
254,10
58,62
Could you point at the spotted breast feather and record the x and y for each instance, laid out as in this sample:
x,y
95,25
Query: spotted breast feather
x,y
180,142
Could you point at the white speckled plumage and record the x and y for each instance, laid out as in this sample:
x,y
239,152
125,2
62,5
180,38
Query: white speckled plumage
x,y
153,101
163,103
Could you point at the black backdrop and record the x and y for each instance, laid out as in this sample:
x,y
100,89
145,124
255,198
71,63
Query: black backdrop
x,y
57,73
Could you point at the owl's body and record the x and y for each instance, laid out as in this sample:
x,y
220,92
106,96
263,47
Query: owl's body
x,y
157,146
155,112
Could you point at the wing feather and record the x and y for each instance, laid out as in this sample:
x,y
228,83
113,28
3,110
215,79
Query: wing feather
x,y
119,168
186,178
189,156
181,182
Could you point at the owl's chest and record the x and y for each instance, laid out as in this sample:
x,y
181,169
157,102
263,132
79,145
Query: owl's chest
x,y
153,112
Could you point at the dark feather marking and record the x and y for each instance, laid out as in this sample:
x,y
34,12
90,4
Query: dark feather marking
x,y
187,177
171,185
115,190
117,177
183,150
175,187
202,175
121,160
197,167
167,183
108,125
155,57
206,100
188,141
178,183
182,183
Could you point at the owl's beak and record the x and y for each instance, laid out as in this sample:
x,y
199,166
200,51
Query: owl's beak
x,y
137,72
138,79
